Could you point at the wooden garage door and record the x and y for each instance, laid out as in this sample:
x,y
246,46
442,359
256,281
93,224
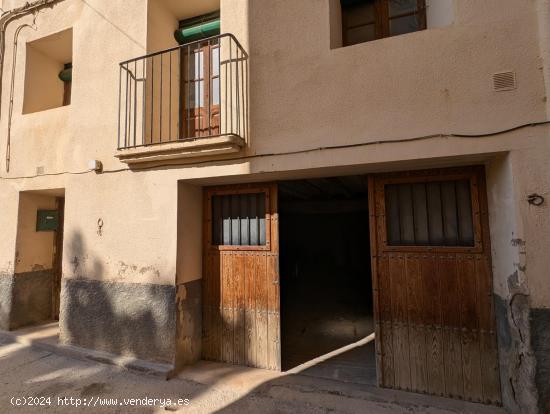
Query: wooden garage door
x,y
435,325
241,310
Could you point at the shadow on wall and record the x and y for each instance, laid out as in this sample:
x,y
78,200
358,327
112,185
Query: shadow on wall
x,y
130,319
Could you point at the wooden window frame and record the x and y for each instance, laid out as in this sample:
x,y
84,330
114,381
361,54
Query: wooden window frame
x,y
67,93
472,176
187,129
236,190
382,20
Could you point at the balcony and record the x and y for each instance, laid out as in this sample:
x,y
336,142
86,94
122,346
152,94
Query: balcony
x,y
188,101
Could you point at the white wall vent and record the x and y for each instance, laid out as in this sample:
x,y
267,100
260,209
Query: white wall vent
x,y
504,81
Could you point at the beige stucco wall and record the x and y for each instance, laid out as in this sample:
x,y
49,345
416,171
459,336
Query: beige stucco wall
x,y
303,96
190,229
137,241
9,201
543,9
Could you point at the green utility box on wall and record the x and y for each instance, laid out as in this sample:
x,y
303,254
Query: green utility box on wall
x,y
47,220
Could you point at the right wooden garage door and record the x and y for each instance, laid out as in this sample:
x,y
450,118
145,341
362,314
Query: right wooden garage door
x,y
432,280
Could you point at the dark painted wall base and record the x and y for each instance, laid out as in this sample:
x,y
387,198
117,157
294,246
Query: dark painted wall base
x,y
6,294
131,319
32,298
25,299
540,338
189,327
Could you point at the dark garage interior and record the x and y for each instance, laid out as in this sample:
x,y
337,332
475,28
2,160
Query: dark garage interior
x,y
326,284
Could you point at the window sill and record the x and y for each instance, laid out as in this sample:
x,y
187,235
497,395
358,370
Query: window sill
x,y
182,150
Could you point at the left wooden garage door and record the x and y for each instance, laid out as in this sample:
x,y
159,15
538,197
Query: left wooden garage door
x,y
241,299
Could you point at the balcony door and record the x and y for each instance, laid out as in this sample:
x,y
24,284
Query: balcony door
x,y
201,89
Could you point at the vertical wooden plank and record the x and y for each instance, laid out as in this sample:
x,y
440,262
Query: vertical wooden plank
x,y
488,343
401,358
418,350
261,311
216,307
471,359
274,350
227,307
207,308
451,321
239,307
434,335
386,339
274,297
417,337
374,250
452,356
250,309
489,368
388,371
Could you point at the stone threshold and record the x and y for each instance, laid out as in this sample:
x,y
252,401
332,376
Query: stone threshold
x,y
46,337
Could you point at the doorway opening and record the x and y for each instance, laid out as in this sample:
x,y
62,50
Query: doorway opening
x,y
326,281
38,264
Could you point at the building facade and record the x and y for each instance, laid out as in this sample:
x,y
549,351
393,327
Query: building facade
x,y
175,170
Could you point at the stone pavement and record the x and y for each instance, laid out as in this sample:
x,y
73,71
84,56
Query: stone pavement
x,y
59,383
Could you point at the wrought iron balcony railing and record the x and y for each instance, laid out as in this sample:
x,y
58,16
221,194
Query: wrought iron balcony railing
x,y
196,90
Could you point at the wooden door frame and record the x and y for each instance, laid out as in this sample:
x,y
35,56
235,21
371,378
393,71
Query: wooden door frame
x,y
58,259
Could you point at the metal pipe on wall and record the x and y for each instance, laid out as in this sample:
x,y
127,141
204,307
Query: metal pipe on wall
x,y
5,20
12,87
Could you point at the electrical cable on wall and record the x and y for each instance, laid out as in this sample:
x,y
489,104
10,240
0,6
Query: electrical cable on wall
x,y
274,154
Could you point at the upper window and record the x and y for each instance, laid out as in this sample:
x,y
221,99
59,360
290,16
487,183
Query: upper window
x,y
366,20
48,72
